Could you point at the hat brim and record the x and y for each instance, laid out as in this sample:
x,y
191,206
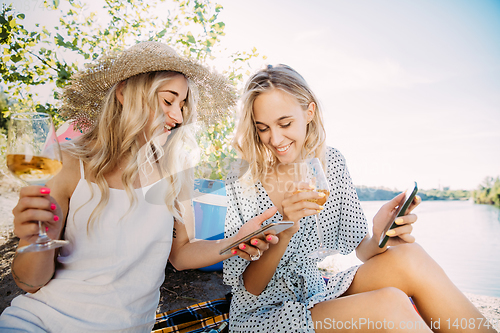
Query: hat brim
x,y
82,99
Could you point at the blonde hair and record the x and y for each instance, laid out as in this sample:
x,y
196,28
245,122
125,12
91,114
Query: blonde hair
x,y
247,141
115,137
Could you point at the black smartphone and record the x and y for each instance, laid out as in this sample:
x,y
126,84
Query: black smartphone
x,y
271,228
400,211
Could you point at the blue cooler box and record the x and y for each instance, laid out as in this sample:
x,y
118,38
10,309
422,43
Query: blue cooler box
x,y
210,206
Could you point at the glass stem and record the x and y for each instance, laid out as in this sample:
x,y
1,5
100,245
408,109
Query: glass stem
x,y
42,235
320,232
41,229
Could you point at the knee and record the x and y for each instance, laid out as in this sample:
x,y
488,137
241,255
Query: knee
x,y
391,295
410,258
408,250
393,300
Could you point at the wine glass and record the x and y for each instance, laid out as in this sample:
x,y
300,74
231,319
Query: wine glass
x,y
311,172
34,156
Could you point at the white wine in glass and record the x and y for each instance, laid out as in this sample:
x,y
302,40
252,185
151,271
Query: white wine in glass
x,y
34,156
311,172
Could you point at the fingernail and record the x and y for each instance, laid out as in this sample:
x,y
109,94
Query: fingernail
x,y
269,238
321,194
56,218
52,206
255,242
243,246
46,229
234,251
321,207
45,190
390,232
399,220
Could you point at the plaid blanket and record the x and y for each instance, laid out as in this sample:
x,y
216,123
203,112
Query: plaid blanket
x,y
194,318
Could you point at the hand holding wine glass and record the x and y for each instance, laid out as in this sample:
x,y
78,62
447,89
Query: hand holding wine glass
x,y
34,156
311,172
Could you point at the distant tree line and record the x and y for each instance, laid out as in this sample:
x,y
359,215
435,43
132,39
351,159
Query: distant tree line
x,y
488,192
374,193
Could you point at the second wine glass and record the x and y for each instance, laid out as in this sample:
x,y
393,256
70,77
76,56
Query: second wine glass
x,y
34,156
311,172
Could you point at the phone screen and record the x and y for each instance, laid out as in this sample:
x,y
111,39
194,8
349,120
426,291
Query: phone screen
x,y
400,211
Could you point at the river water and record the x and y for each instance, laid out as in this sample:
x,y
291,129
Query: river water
x,y
464,238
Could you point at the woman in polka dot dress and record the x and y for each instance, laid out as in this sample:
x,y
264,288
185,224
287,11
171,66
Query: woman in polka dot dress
x,y
282,291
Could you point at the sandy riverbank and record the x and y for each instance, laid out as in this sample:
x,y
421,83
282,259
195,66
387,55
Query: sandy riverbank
x,y
179,289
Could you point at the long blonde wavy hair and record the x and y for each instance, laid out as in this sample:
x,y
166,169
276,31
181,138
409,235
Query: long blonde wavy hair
x,y
115,138
246,139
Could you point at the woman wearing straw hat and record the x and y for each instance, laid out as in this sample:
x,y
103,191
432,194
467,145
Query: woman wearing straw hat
x,y
122,199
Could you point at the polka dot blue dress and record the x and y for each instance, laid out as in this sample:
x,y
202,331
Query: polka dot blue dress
x,y
284,306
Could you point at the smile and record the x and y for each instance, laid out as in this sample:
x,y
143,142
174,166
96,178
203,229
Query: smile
x,y
284,149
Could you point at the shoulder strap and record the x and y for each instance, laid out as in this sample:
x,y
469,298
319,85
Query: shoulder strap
x,y
82,170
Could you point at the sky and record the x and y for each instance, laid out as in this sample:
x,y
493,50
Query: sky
x,y
410,90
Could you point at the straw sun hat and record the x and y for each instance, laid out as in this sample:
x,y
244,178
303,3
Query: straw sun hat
x,y
82,99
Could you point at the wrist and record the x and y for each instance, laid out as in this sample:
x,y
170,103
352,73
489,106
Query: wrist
x,y
28,277
373,241
285,237
288,233
225,243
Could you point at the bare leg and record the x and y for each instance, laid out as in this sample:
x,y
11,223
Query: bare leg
x,y
383,310
410,269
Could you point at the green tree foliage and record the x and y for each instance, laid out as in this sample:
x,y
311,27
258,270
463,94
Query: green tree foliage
x,y
445,194
4,106
48,56
26,63
488,192
372,193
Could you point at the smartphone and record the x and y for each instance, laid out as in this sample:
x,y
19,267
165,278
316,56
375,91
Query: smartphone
x,y
273,228
400,211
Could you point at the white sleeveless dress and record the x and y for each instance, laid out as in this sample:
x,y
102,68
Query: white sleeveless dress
x,y
109,277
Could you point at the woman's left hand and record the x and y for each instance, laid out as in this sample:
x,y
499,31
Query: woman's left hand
x,y
402,233
256,247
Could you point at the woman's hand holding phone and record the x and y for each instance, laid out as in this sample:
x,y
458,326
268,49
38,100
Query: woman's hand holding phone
x,y
392,225
256,246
